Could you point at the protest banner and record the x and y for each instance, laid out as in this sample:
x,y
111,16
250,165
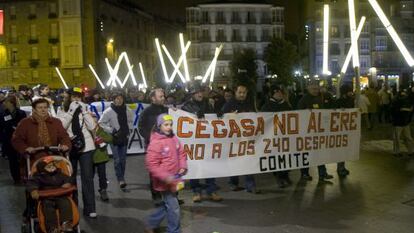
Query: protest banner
x,y
251,143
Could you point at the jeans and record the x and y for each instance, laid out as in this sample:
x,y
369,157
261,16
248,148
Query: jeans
x,y
404,131
321,170
198,188
249,182
63,205
88,190
101,169
119,154
170,209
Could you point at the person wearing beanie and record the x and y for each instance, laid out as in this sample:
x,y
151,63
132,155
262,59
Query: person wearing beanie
x,y
166,161
118,120
277,103
199,106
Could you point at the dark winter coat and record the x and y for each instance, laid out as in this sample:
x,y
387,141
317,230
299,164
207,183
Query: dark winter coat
x,y
273,105
45,180
239,106
311,102
8,124
199,108
401,110
147,120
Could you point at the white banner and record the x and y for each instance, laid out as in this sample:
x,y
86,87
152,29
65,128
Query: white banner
x,y
251,143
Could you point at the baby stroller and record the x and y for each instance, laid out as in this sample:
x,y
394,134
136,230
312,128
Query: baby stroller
x,y
35,219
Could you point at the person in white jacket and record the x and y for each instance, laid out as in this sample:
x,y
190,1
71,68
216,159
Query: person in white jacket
x,y
78,122
117,120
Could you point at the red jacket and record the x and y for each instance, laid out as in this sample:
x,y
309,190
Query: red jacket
x,y
165,157
26,135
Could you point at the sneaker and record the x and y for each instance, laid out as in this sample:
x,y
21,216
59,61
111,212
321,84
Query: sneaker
x,y
92,215
236,188
197,198
122,184
104,195
215,197
343,172
326,177
253,191
306,177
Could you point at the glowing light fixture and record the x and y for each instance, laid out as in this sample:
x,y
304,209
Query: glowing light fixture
x,y
349,55
161,57
61,78
183,54
325,39
96,76
211,69
354,38
407,56
144,80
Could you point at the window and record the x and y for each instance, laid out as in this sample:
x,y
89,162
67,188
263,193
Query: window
x,y
250,17
205,18
251,35
35,74
381,44
35,54
32,11
13,33
334,31
364,45
266,35
364,63
70,7
12,12
52,10
72,56
206,35
33,32
220,17
235,18
14,57
220,35
53,30
236,35
334,49
54,51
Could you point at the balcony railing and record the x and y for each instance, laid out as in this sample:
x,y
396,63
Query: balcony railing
x,y
54,62
34,63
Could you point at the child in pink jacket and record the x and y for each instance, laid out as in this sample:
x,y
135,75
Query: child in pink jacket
x,y
166,162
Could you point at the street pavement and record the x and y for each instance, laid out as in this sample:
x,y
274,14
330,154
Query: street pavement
x,y
378,196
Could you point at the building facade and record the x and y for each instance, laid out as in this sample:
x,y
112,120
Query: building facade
x,y
378,54
41,35
37,36
236,27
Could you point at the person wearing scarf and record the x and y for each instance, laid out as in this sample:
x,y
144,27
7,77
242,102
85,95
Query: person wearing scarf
x,y
78,122
117,120
39,130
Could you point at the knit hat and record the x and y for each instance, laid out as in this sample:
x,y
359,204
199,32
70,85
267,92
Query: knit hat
x,y
163,118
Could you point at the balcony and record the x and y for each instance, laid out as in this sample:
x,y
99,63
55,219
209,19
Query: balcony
x,y
53,40
236,39
52,15
33,41
53,62
221,39
34,63
31,17
220,20
236,20
251,39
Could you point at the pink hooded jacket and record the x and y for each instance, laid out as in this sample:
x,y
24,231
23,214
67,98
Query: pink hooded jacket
x,y
165,157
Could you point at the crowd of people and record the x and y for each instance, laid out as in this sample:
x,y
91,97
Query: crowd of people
x,y
63,118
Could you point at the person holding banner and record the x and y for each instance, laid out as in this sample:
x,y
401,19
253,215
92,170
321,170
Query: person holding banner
x,y
166,161
277,103
117,120
240,104
313,100
198,105
79,123
147,121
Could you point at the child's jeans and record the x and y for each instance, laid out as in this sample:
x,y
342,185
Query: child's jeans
x,y
170,209
49,210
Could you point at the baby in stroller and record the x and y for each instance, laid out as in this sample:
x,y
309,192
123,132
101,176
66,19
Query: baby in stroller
x,y
56,209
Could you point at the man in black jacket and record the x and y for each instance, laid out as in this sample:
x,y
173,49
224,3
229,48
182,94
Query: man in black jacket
x,y
199,106
147,120
240,104
277,103
148,117
313,100
401,109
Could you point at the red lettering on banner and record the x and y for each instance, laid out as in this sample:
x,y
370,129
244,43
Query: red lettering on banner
x,y
223,133
199,128
180,126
